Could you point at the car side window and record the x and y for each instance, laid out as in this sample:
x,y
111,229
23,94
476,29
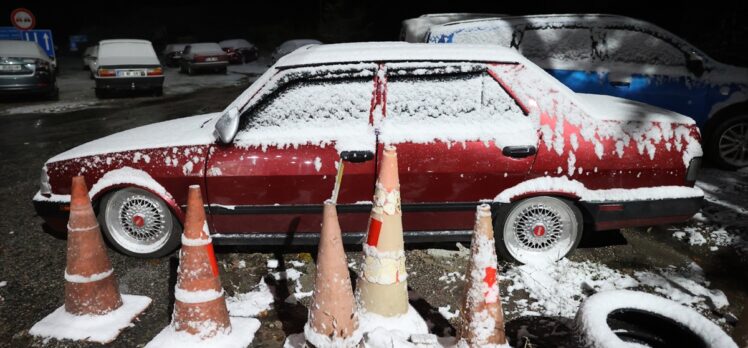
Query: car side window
x,y
569,44
447,98
311,105
636,47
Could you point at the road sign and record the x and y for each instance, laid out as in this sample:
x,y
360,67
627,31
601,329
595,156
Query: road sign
x,y
23,19
43,37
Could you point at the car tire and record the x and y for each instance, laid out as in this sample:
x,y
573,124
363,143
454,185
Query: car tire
x,y
728,143
158,91
625,318
54,94
100,93
138,223
223,71
537,229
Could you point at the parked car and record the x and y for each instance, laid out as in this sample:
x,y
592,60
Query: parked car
x,y
172,54
26,69
240,51
471,124
628,58
203,56
290,46
89,55
128,65
415,29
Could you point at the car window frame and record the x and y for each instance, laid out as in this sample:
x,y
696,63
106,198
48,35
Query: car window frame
x,y
522,30
605,56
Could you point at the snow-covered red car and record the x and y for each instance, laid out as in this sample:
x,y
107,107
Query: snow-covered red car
x,y
471,124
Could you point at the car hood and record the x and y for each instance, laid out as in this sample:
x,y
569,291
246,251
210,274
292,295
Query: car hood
x,y
609,108
194,130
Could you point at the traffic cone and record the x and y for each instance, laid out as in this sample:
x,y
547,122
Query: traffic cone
x,y
90,284
201,318
200,307
482,315
383,286
333,321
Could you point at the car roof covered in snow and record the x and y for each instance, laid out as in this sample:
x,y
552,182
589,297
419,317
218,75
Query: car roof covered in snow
x,y
396,51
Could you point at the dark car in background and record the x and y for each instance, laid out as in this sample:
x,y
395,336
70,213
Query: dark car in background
x,y
128,65
240,51
26,69
172,54
203,56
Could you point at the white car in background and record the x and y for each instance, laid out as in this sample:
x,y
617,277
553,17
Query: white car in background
x,y
128,65
290,46
415,29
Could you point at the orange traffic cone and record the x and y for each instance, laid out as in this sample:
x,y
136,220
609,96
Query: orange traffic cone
x,y
200,314
333,321
383,285
90,285
200,307
482,316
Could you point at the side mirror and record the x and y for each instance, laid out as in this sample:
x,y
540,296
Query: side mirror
x,y
695,64
228,125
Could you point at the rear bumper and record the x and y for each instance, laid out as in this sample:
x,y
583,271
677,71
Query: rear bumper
x,y
129,83
209,65
615,215
26,85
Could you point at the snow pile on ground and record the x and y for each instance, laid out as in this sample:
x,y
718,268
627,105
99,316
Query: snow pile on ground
x,y
293,275
393,331
251,304
724,219
241,335
557,289
686,286
52,107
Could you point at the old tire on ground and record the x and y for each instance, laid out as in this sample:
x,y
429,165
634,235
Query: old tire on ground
x,y
728,143
138,223
625,319
538,229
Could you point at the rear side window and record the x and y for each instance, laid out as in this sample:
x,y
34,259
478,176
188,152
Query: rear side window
x,y
307,105
629,46
451,97
569,44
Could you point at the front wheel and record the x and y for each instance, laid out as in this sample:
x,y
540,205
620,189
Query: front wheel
x,y
728,145
138,223
538,229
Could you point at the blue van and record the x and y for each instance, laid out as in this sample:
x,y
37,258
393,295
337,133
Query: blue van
x,y
627,58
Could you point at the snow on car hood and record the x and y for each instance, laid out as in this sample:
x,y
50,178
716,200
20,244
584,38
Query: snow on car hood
x,y
605,107
194,130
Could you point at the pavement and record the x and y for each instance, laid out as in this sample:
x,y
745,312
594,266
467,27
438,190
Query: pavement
x,y
701,263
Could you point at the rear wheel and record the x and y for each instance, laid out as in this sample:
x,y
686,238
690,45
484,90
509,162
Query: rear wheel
x,y
728,145
138,223
538,229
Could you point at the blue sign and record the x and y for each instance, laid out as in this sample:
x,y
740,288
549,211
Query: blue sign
x,y
76,41
43,37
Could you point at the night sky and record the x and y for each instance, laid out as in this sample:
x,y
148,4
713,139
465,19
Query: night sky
x,y
718,28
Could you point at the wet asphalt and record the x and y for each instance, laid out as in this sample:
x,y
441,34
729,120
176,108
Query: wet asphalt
x,y
32,261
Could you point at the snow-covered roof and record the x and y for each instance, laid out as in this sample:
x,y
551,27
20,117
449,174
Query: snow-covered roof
x,y
126,51
21,49
397,51
123,41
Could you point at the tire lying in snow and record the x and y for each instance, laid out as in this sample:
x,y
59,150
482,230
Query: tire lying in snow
x,y
626,319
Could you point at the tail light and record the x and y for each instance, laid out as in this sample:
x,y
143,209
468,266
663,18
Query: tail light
x,y
155,71
43,65
106,72
693,170
198,58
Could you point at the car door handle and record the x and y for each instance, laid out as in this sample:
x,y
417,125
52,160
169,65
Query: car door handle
x,y
519,151
620,83
356,156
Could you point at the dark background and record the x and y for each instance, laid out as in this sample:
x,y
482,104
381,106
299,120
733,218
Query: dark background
x,y
717,27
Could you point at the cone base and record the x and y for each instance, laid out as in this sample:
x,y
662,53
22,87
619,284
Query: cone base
x,y
409,323
92,328
242,334
321,341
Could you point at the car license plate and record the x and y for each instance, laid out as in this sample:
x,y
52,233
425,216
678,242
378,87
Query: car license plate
x,y
130,73
211,59
10,67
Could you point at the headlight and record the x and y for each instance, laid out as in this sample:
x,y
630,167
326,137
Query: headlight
x,y
693,169
44,187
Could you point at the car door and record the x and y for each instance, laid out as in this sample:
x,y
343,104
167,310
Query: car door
x,y
566,53
460,137
641,66
283,162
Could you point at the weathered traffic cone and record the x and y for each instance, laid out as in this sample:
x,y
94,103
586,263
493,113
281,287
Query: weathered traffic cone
x,y
333,321
482,315
200,307
383,286
90,284
201,318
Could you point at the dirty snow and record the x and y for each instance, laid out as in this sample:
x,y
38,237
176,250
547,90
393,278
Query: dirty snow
x,y
251,304
93,328
687,286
